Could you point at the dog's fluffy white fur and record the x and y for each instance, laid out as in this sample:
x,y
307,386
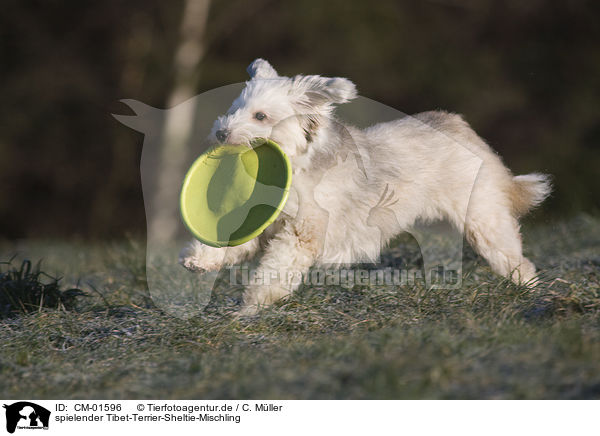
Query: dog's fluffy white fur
x,y
425,160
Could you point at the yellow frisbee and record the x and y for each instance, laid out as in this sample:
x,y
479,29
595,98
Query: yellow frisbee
x,y
232,193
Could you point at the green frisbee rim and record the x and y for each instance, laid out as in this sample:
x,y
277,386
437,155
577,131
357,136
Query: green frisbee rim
x,y
185,213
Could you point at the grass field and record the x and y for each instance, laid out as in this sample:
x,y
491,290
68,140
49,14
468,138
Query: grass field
x,y
490,339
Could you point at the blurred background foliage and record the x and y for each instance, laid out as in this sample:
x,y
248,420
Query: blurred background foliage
x,y
525,74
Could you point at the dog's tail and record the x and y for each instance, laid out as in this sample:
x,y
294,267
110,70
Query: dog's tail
x,y
529,191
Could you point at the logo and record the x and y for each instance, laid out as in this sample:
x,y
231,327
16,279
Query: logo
x,y
26,415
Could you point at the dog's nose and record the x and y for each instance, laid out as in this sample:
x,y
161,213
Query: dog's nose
x,y
222,134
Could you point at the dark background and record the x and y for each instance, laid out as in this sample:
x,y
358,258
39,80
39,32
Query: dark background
x,y
525,74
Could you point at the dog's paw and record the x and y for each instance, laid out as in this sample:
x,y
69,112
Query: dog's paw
x,y
261,297
198,257
247,311
192,264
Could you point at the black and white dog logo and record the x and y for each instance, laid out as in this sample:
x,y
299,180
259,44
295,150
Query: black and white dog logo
x,y
26,415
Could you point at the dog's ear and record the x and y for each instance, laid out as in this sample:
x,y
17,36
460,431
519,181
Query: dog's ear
x,y
261,69
315,96
322,91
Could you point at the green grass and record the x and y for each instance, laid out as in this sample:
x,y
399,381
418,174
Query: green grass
x,y
490,339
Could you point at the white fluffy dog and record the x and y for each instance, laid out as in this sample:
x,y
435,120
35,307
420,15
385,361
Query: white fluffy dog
x,y
423,160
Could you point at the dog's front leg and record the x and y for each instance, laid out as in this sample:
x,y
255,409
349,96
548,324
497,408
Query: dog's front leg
x,y
200,257
288,257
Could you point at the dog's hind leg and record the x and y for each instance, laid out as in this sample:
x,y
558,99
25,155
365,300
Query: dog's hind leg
x,y
496,237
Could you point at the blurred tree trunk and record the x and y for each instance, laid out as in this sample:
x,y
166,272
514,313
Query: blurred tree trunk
x,y
177,130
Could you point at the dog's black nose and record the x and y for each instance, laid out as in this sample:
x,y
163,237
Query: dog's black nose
x,y
222,134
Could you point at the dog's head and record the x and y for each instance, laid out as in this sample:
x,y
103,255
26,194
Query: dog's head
x,y
288,110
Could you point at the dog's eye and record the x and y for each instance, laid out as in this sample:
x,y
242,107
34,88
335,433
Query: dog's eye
x,y
260,116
